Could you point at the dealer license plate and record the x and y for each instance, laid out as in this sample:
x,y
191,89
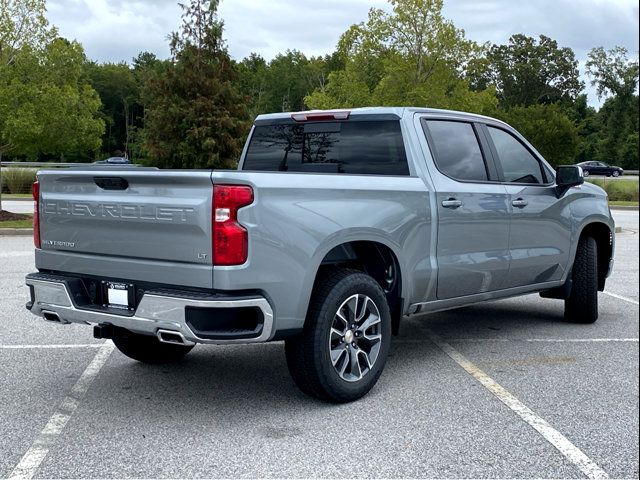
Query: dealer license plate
x,y
119,295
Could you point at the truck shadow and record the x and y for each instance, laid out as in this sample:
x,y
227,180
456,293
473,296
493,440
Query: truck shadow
x,y
237,384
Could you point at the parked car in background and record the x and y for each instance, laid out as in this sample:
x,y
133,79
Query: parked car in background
x,y
600,168
114,161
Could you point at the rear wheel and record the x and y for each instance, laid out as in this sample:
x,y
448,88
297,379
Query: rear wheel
x,y
148,349
343,349
586,173
582,304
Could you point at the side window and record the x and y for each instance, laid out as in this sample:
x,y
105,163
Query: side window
x,y
518,164
456,150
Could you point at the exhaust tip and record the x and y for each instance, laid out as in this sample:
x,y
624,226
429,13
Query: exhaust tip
x,y
174,338
53,317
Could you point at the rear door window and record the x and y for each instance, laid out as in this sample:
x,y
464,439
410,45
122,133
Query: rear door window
x,y
352,147
456,150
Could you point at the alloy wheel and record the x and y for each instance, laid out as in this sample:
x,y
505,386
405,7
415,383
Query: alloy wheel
x,y
355,337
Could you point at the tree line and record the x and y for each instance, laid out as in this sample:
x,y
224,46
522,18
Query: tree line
x,y
194,109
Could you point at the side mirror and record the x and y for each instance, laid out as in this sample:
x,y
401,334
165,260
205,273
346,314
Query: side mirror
x,y
568,176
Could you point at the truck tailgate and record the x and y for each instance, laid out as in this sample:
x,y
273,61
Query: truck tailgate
x,y
133,223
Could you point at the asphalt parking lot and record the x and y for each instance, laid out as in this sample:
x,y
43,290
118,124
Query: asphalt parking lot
x,y
460,397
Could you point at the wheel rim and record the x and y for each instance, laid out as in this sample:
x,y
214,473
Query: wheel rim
x,y
355,338
616,174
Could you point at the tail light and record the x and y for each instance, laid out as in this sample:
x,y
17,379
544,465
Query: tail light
x,y
35,190
230,239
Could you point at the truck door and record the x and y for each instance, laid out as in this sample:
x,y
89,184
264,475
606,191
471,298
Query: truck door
x,y
473,210
540,236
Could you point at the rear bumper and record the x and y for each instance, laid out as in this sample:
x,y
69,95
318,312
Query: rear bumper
x,y
157,312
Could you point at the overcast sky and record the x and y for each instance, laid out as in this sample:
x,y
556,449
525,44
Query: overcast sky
x,y
115,30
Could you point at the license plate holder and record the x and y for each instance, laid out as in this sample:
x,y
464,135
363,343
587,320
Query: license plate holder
x,y
119,295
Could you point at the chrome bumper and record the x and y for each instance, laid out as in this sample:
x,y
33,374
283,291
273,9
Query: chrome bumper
x,y
156,314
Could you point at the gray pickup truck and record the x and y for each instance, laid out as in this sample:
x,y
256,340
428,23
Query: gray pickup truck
x,y
335,227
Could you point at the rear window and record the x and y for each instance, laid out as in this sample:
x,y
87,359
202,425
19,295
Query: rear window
x,y
365,147
457,151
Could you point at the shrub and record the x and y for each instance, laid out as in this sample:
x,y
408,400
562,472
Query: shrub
x,y
18,180
619,190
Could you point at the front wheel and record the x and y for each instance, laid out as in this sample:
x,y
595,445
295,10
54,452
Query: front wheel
x,y
582,304
616,174
586,173
147,349
344,346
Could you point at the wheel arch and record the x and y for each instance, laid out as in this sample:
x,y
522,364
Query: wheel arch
x,y
604,236
375,255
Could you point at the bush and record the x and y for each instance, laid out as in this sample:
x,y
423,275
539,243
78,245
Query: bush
x,y
18,180
619,190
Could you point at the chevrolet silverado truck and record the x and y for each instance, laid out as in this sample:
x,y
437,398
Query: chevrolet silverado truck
x,y
335,227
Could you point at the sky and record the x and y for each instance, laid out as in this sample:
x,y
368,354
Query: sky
x,y
116,30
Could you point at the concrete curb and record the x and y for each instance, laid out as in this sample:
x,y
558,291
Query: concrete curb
x,y
14,232
17,199
620,207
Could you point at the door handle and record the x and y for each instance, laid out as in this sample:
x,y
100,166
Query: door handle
x,y
452,203
520,203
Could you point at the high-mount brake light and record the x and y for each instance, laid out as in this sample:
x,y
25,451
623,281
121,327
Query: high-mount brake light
x,y
35,191
230,239
320,116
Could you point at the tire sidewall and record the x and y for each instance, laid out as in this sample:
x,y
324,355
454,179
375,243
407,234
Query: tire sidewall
x,y
352,285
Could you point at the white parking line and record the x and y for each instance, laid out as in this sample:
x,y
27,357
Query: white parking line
x,y
46,347
550,434
547,340
620,297
16,254
39,449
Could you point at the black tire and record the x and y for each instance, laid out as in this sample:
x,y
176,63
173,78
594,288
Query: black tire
x,y
582,304
308,355
616,174
586,173
148,349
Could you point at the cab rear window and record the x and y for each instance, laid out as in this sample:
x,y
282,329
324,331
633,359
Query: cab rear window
x,y
352,147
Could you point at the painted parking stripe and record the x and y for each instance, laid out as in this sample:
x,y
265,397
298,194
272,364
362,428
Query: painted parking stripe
x,y
52,347
550,434
620,297
16,254
546,340
39,449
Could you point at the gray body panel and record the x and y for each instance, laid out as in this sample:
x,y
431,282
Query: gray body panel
x,y
157,230
483,250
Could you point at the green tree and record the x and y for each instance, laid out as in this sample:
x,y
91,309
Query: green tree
x,y
119,93
46,108
252,72
410,56
283,83
527,71
22,23
196,116
548,129
615,77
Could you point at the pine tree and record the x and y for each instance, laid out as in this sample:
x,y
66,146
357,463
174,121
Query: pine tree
x,y
196,117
